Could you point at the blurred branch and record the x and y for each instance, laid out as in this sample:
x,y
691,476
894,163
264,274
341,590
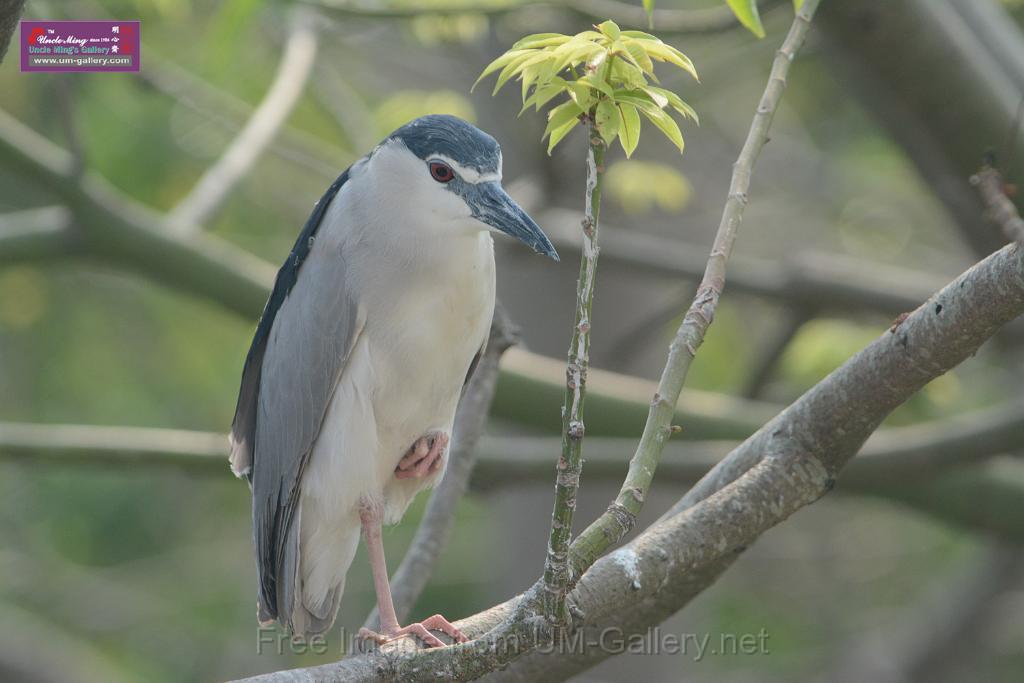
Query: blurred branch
x,y
982,50
121,446
948,620
928,467
1001,210
227,110
707,20
114,228
620,517
438,519
237,161
31,234
345,105
10,13
768,355
815,280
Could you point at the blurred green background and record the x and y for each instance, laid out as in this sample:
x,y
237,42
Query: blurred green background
x,y
145,572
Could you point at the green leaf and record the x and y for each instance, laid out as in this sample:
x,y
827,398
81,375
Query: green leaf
x,y
538,40
607,119
629,128
562,114
559,133
666,125
610,29
667,53
658,97
628,75
674,101
746,12
516,65
582,94
499,63
638,35
596,84
649,8
636,54
543,95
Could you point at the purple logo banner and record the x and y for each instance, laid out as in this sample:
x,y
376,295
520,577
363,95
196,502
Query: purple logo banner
x,y
80,45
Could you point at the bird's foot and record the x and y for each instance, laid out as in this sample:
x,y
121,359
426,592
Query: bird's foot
x,y
421,630
423,457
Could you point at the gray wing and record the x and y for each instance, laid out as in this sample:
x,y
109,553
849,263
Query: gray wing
x,y
302,342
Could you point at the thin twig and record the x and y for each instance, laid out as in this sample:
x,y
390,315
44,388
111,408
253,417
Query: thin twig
x,y
1001,210
292,73
621,515
418,564
570,464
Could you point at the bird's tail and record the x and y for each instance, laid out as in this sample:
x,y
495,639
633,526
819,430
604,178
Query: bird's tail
x,y
312,574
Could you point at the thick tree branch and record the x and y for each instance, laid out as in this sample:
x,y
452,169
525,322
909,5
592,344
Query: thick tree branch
x,y
259,131
621,515
435,527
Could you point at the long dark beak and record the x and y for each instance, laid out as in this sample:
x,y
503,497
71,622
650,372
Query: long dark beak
x,y
492,205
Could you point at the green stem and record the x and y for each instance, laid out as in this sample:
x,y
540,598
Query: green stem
x,y
621,515
570,464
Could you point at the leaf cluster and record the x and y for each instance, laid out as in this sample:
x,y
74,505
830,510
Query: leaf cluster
x,y
607,75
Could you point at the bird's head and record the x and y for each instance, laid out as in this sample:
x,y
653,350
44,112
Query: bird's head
x,y
445,168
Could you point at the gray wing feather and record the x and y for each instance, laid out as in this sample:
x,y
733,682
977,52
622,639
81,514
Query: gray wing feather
x,y
300,348
315,331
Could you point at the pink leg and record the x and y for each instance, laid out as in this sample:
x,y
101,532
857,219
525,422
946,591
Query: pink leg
x,y
371,517
423,457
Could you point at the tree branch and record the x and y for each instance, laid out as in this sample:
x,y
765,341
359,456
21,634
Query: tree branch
x,y
32,234
292,74
1000,209
621,515
435,527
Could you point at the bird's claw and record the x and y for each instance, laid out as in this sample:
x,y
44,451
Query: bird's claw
x,y
424,457
421,630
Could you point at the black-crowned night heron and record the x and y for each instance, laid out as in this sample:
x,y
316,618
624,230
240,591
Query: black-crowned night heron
x,y
350,387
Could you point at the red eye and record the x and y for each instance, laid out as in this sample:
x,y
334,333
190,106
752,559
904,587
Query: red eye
x,y
441,172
